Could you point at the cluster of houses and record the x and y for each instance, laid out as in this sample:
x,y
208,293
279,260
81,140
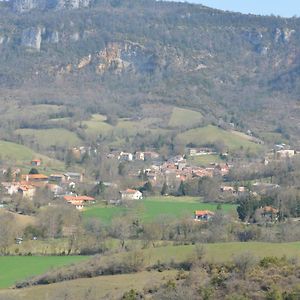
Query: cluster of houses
x,y
60,185
128,156
177,169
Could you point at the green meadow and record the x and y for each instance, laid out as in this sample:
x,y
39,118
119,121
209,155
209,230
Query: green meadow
x,y
15,268
210,134
51,137
181,117
153,208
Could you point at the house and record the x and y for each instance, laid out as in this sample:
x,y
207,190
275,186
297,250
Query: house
x,y
72,176
280,154
36,162
125,156
35,178
131,194
269,213
55,189
203,215
59,178
226,188
149,155
11,188
200,151
27,191
79,201
139,155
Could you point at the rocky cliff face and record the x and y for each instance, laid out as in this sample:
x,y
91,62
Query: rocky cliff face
x,y
22,6
32,38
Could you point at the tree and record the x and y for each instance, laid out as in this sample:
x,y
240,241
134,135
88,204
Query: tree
x,y
164,190
148,188
181,189
8,231
33,171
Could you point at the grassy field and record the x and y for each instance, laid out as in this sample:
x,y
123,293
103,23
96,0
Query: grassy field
x,y
181,117
20,156
15,268
204,160
124,128
152,208
103,287
16,152
51,137
223,252
210,134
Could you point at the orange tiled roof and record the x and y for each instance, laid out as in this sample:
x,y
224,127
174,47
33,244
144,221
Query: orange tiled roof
x,y
204,212
34,176
78,198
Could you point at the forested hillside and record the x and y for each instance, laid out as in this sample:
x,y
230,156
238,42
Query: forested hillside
x,y
123,57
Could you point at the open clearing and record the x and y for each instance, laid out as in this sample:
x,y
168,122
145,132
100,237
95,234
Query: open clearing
x,y
103,287
15,268
21,157
153,208
210,134
204,160
18,268
51,137
181,117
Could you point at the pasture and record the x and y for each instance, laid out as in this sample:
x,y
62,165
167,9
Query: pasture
x,y
16,268
204,160
181,117
153,208
210,134
51,137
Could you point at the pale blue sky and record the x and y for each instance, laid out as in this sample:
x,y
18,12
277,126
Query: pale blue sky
x,y
285,8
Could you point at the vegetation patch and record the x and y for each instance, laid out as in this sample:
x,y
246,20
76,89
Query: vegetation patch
x,y
182,117
153,208
212,134
204,160
51,137
16,268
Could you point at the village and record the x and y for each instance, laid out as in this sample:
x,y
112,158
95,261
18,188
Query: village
x,y
148,174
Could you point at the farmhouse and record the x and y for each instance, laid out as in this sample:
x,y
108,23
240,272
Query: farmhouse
x,y
36,162
59,178
35,179
72,176
269,213
79,201
27,191
285,153
130,194
203,215
125,156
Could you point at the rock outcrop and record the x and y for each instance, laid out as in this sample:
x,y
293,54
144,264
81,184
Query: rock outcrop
x,y
32,38
22,6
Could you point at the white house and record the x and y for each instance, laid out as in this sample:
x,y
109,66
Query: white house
x,y
130,194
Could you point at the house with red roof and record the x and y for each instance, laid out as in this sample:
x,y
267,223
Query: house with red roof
x,y
79,201
203,215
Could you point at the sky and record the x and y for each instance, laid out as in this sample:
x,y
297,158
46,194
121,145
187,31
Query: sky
x,y
284,8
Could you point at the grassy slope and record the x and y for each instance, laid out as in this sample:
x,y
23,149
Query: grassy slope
x,y
51,137
204,160
15,268
218,252
21,156
184,117
222,252
104,287
97,125
210,134
152,208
